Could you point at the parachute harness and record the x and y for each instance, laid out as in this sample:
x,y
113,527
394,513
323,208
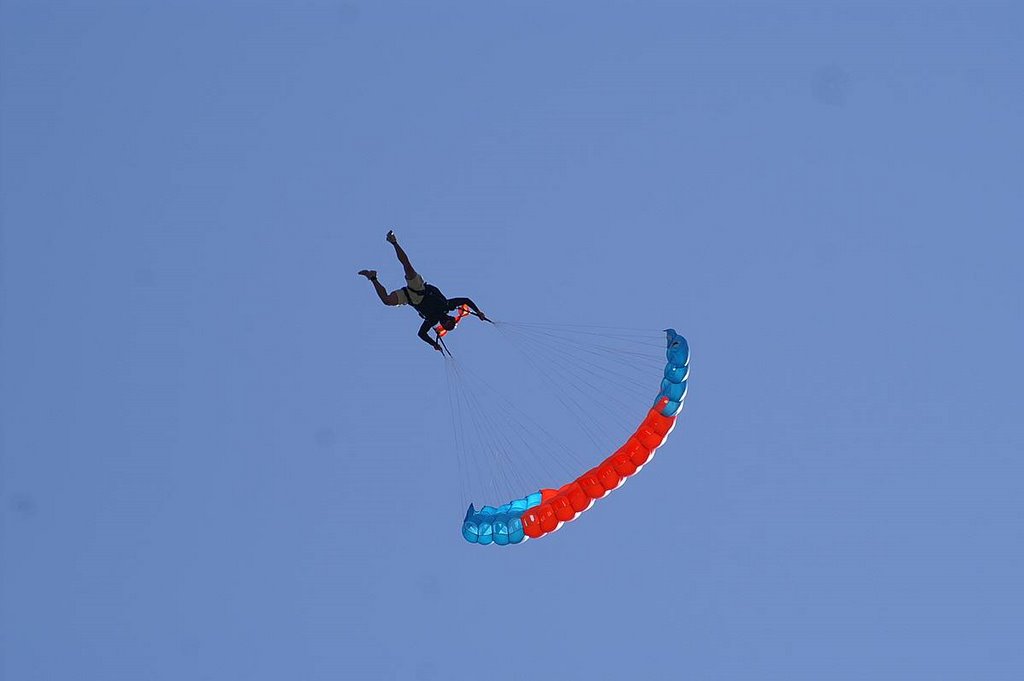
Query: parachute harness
x,y
441,332
462,312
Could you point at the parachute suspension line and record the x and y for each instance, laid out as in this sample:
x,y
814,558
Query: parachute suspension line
x,y
614,403
503,437
622,350
563,350
619,348
483,442
496,473
570,393
479,447
625,355
444,346
457,434
523,430
600,431
580,337
560,361
565,397
502,470
640,332
501,431
506,460
593,339
462,425
560,368
612,379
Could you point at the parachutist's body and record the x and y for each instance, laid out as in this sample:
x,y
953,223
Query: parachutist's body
x,y
431,304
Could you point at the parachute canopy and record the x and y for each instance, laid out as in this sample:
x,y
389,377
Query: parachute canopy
x,y
545,510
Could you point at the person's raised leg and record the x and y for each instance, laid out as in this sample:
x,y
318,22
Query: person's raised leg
x,y
402,257
382,293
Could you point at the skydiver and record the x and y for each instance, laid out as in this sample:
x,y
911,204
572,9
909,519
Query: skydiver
x,y
426,299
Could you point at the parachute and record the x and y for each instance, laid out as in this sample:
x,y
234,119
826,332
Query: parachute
x,y
546,510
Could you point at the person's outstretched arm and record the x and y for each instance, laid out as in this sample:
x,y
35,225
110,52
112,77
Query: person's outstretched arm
x,y
402,257
455,303
425,335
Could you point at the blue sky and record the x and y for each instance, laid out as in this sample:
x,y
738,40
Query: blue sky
x,y
223,458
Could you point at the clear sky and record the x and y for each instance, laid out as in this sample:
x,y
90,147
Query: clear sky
x,y
222,458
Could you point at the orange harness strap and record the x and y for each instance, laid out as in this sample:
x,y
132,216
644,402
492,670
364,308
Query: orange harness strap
x,y
463,311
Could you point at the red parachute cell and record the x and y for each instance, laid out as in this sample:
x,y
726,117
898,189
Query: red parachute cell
x,y
567,503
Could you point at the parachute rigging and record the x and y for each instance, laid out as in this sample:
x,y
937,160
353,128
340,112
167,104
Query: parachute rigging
x,y
459,314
